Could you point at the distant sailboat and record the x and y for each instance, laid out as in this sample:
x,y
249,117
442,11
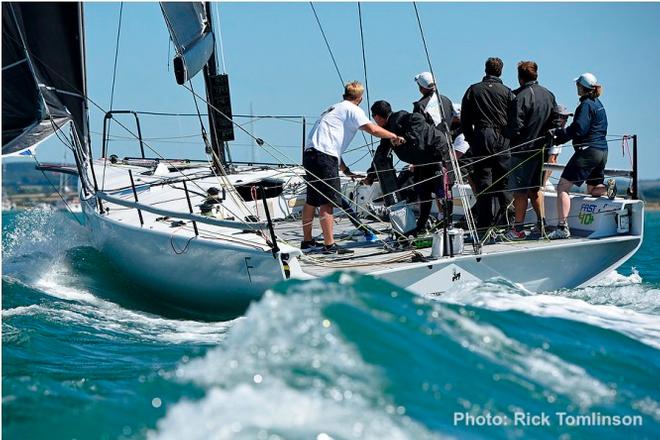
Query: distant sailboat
x,y
213,236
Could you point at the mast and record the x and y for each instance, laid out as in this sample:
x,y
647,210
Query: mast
x,y
218,99
190,27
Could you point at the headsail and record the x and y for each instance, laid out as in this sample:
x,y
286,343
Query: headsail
x,y
192,36
43,76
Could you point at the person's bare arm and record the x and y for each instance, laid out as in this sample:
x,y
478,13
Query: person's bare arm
x,y
380,132
347,172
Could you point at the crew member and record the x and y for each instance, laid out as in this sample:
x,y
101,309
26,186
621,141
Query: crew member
x,y
561,115
422,142
440,113
484,113
428,103
588,133
529,120
327,140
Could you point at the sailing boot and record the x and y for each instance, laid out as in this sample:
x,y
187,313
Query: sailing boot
x,y
561,232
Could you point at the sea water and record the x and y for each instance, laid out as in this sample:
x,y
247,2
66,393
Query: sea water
x,y
85,356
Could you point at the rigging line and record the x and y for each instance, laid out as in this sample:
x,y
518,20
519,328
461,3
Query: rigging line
x,y
98,106
452,155
358,160
114,78
364,66
114,70
216,12
224,179
327,44
152,113
261,143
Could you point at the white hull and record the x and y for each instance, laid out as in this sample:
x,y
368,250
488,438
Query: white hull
x,y
562,266
222,269
198,275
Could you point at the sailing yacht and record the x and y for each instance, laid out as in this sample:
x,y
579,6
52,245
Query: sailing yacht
x,y
214,235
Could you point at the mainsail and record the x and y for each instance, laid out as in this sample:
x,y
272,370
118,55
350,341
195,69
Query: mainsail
x,y
192,36
43,74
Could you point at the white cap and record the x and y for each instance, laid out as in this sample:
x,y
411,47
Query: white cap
x,y
425,79
587,80
457,108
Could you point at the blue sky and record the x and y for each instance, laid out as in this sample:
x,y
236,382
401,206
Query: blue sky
x,y
278,64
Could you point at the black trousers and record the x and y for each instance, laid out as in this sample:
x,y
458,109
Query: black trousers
x,y
428,180
384,168
489,175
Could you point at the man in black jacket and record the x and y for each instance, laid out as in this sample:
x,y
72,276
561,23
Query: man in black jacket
x,y
484,113
530,118
422,149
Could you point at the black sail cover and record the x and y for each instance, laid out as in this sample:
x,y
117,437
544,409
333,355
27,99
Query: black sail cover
x,y
43,73
191,35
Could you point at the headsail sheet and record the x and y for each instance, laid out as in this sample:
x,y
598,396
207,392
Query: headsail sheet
x,y
191,35
43,73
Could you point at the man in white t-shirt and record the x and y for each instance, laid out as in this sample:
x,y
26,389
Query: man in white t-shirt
x,y
327,141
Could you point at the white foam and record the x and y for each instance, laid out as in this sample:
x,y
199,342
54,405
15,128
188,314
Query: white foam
x,y
623,291
36,248
614,278
23,311
251,411
649,407
644,327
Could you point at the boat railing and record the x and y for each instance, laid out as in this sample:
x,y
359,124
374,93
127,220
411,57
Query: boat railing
x,y
106,120
631,174
182,215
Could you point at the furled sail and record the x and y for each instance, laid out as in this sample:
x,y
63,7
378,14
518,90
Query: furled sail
x,y
43,74
191,35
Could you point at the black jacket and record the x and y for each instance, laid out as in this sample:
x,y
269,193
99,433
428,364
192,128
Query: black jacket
x,y
530,116
447,109
485,104
423,142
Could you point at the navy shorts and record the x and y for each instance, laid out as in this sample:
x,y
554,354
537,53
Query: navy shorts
x,y
323,186
586,165
526,171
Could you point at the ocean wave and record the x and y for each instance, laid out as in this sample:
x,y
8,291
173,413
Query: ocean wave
x,y
615,279
393,357
80,307
630,309
292,362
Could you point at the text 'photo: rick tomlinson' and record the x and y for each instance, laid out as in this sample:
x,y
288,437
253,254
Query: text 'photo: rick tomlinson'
x,y
332,220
